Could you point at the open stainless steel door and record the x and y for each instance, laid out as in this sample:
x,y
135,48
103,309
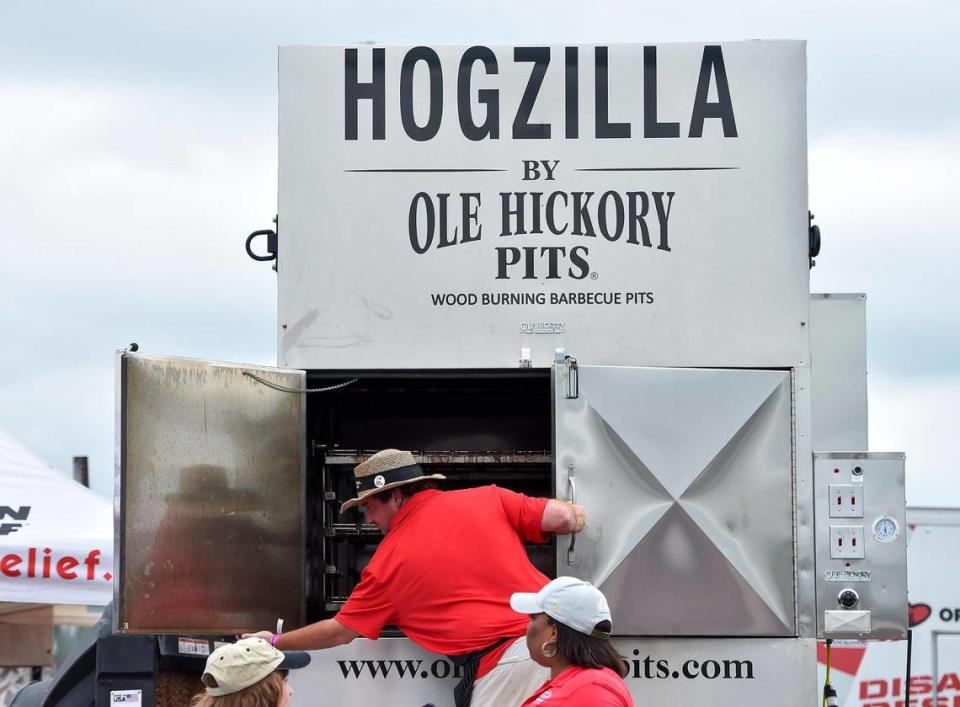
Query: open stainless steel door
x,y
687,480
209,497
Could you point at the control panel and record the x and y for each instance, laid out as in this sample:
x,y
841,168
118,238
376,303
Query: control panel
x,y
861,549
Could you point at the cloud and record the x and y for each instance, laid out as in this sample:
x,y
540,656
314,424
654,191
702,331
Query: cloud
x,y
871,63
124,220
886,206
119,197
921,418
65,412
141,148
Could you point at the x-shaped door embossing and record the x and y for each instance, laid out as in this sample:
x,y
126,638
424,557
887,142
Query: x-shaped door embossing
x,y
687,479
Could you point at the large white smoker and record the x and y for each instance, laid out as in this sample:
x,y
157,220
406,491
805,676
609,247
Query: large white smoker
x,y
575,271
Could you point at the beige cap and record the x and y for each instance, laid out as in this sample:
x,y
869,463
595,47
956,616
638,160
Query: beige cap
x,y
237,666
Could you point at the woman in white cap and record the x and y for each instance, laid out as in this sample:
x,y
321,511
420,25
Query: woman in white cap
x,y
248,673
569,632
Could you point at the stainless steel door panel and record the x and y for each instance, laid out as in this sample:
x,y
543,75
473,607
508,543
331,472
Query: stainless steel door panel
x,y
210,497
686,476
632,499
743,502
686,587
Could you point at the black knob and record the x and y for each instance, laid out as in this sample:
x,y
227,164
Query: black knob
x,y
848,599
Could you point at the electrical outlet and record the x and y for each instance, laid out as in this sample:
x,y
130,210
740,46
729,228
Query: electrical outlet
x,y
846,501
846,542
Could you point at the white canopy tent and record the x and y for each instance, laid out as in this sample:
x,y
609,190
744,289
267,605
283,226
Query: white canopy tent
x,y
56,536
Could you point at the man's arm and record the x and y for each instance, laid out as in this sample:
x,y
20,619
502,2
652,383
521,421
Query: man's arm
x,y
562,517
323,634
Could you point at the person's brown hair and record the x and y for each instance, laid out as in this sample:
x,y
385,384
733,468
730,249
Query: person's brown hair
x,y
266,693
589,651
408,490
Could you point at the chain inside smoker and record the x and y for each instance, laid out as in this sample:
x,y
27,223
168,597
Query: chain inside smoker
x,y
287,389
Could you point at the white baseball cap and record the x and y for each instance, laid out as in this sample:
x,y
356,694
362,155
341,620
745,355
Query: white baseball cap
x,y
237,666
571,601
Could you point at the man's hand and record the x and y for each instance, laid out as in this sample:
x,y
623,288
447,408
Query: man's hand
x,y
322,634
562,517
265,635
579,517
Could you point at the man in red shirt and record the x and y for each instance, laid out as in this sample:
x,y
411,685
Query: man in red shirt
x,y
444,574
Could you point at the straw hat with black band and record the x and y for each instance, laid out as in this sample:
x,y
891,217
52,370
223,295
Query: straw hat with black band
x,y
383,471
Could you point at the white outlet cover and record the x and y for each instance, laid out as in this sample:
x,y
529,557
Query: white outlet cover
x,y
838,621
852,547
851,501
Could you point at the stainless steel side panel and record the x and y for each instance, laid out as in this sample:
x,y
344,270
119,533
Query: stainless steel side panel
x,y
210,478
879,575
687,480
838,344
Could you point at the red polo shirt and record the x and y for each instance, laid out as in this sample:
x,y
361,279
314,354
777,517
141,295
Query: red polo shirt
x,y
445,571
582,687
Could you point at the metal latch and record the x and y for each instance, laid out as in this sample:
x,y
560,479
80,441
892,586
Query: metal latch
x,y
573,377
272,239
271,245
571,558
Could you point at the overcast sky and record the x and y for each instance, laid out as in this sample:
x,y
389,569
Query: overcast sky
x,y
138,144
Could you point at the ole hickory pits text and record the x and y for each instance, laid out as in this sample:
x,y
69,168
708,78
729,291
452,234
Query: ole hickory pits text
x,y
635,218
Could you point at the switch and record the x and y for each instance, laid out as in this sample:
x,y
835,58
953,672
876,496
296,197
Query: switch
x,y
845,501
846,542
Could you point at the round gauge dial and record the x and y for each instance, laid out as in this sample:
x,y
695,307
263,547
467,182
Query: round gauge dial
x,y
885,529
